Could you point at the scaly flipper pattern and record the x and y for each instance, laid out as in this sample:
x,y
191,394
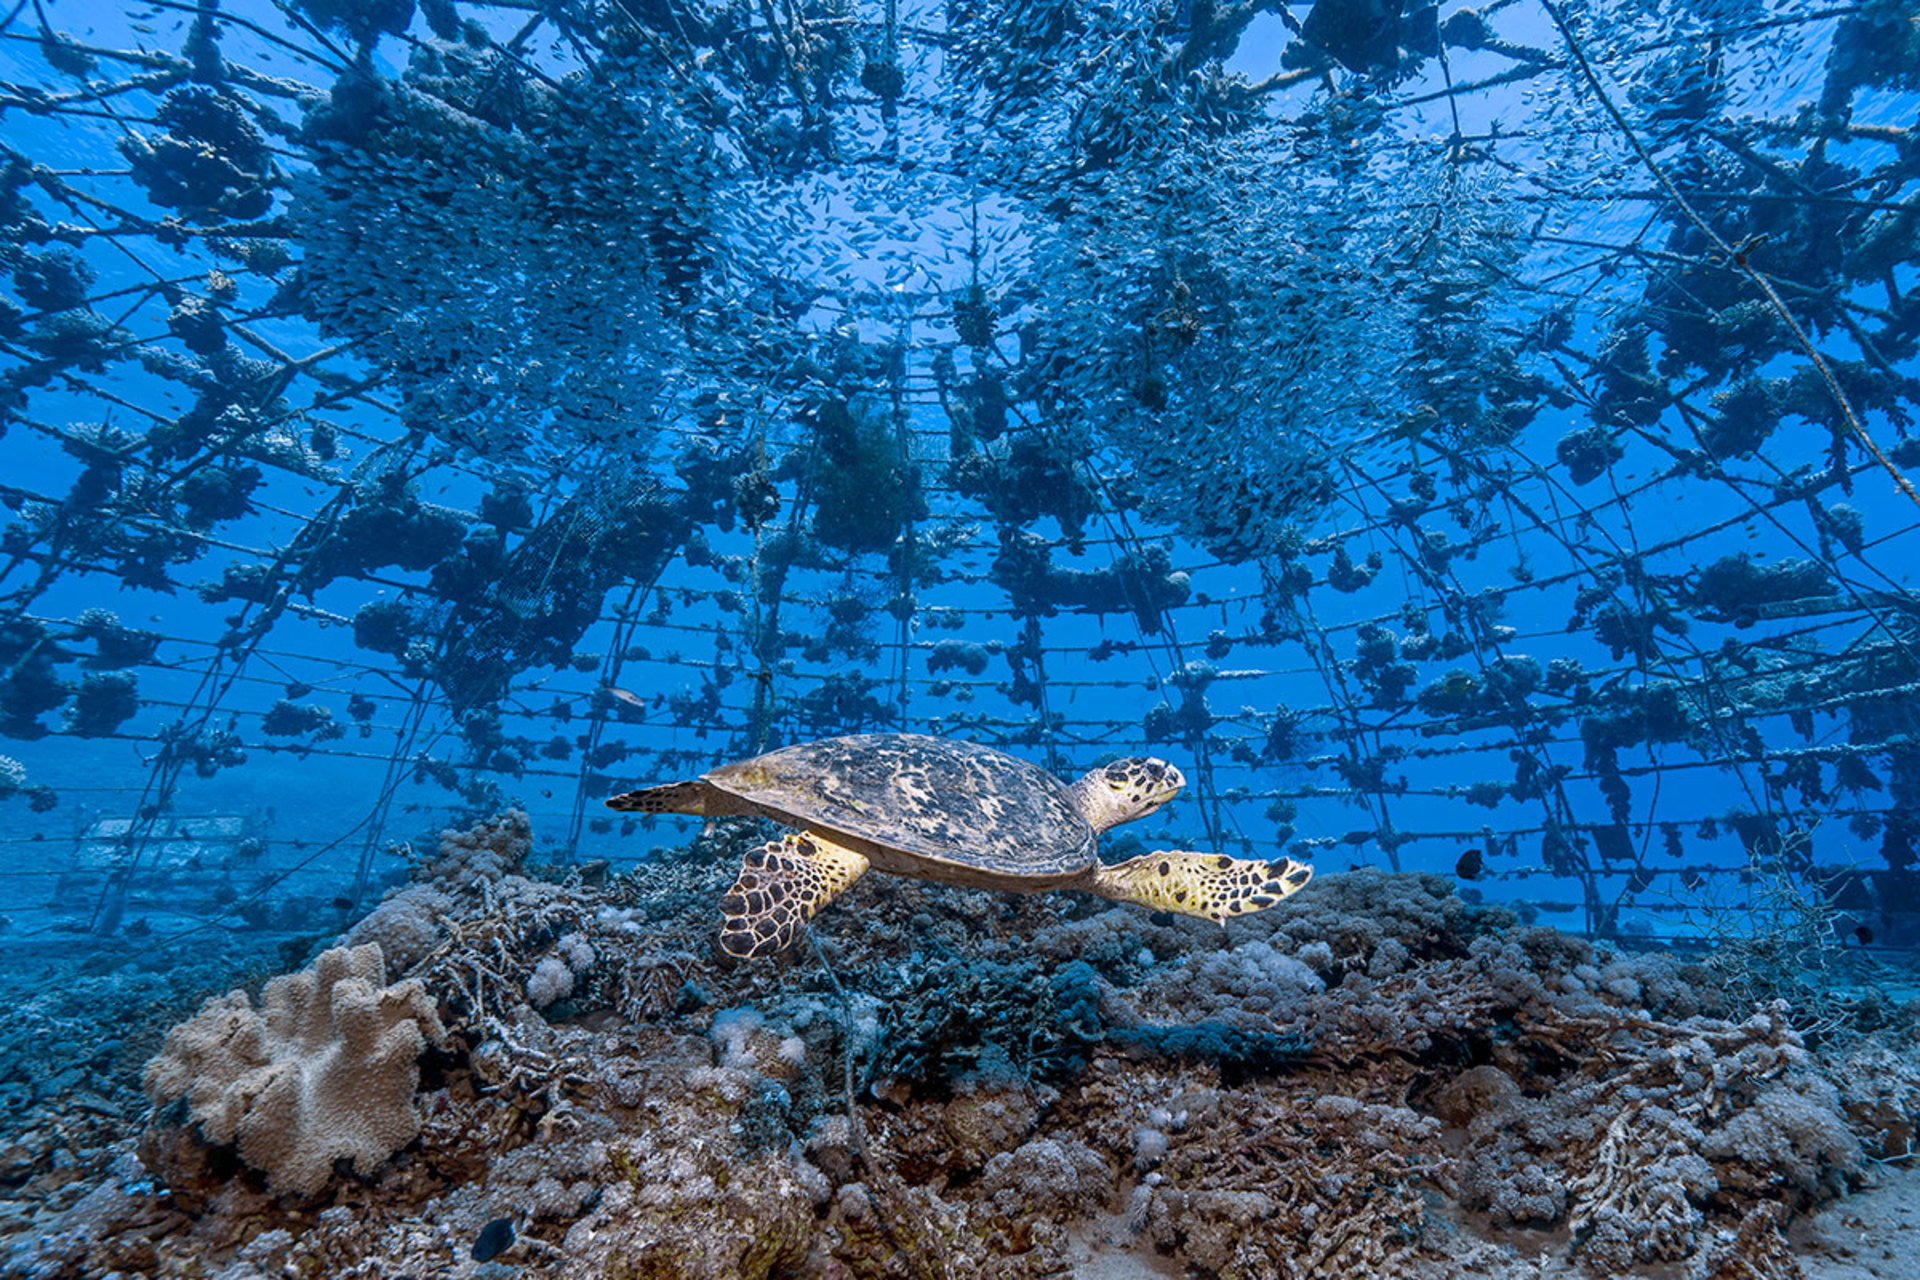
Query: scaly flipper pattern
x,y
694,797
1209,885
782,885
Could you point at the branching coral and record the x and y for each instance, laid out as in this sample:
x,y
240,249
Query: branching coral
x,y
13,776
1637,1201
1790,1134
211,163
1232,1197
116,645
102,703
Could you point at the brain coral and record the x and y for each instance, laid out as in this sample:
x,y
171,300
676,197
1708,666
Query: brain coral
x,y
325,1068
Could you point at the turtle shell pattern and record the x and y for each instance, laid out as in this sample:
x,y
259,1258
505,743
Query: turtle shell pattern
x,y
933,798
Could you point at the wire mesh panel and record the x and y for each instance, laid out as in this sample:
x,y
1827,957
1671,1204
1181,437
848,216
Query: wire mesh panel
x,y
1463,439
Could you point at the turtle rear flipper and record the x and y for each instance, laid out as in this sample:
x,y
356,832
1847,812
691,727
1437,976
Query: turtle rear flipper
x,y
696,797
782,885
1209,885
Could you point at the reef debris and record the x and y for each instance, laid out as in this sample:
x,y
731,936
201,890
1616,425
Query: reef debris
x,y
974,1081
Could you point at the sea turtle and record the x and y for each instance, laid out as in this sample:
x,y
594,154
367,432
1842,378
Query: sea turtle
x,y
957,812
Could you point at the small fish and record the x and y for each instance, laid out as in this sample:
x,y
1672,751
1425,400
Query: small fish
x,y
1864,934
494,1239
631,699
1471,864
343,904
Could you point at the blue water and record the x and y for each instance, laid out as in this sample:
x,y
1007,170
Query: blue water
x,y
1355,428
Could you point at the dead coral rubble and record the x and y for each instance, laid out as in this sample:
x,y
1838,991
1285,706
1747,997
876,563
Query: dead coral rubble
x,y
1384,1080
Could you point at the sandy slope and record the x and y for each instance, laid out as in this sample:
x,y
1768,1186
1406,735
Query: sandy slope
x,y
1874,1233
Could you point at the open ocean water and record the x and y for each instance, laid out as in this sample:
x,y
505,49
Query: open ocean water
x,y
1259,641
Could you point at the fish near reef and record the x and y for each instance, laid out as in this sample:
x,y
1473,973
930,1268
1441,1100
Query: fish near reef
x,y
494,1239
954,812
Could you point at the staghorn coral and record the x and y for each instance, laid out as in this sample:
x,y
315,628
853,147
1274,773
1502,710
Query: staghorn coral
x,y
1234,1197
1637,1201
325,1069
486,961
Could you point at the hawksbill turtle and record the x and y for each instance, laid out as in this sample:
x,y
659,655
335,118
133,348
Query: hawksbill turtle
x,y
951,811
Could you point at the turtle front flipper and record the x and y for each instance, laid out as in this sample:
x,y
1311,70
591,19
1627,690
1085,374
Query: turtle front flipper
x,y
782,885
1209,885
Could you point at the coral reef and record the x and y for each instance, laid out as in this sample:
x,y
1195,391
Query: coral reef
x,y
1383,1080
1205,341
483,853
324,1070
406,926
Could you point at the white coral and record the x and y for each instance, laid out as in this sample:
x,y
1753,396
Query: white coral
x,y
577,952
325,1069
550,980
490,850
1793,1134
1253,978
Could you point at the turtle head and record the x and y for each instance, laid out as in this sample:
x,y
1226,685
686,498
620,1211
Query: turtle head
x,y
1125,790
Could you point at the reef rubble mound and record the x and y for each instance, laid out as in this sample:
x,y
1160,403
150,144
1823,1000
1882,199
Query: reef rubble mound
x,y
1382,1078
